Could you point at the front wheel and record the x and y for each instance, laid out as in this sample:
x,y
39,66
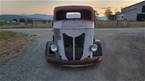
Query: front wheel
x,y
47,48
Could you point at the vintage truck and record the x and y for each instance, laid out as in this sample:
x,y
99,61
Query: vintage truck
x,y
74,43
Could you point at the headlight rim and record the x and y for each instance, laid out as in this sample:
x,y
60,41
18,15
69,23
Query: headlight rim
x,y
54,49
94,46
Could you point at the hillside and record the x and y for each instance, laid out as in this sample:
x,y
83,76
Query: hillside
x,y
33,17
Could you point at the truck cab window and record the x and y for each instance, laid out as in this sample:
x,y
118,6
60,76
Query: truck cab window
x,y
73,15
79,14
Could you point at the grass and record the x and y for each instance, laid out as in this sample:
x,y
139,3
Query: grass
x,y
119,24
5,35
10,44
99,24
34,24
4,23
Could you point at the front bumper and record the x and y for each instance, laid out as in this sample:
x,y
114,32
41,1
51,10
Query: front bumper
x,y
52,59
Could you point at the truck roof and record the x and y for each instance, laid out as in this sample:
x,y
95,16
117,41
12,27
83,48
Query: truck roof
x,y
87,12
73,8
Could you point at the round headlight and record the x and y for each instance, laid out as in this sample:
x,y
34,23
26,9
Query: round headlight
x,y
53,48
94,48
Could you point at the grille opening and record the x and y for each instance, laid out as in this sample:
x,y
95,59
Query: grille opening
x,y
68,46
79,46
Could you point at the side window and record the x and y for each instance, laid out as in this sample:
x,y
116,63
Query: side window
x,y
86,15
60,15
143,8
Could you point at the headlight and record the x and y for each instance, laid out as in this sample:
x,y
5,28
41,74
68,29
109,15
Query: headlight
x,y
94,48
53,48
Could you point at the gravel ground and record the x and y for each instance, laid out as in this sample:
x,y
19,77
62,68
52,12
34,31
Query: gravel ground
x,y
124,59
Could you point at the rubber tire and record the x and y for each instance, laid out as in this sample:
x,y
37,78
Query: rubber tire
x,y
47,48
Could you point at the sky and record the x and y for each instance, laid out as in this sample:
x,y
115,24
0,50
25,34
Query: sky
x,y
47,6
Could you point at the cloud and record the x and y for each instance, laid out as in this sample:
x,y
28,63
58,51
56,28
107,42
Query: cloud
x,y
23,3
46,6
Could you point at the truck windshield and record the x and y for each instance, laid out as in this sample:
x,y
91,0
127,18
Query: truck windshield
x,y
69,15
73,15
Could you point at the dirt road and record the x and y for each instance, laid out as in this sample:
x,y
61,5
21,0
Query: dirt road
x,y
124,59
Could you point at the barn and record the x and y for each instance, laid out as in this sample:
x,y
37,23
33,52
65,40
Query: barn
x,y
134,12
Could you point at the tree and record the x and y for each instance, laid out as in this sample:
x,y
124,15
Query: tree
x,y
21,20
109,13
14,20
96,14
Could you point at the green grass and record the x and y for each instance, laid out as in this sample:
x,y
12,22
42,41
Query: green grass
x,y
5,35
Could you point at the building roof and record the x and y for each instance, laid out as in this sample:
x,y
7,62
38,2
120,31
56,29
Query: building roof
x,y
133,5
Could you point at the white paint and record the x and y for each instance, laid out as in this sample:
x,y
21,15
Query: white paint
x,y
74,28
73,24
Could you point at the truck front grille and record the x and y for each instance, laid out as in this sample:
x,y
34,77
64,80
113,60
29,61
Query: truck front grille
x,y
77,43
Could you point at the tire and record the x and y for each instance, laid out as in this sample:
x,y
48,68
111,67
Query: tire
x,y
53,38
99,52
47,48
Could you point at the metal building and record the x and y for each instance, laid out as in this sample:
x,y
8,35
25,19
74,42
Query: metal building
x,y
134,12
